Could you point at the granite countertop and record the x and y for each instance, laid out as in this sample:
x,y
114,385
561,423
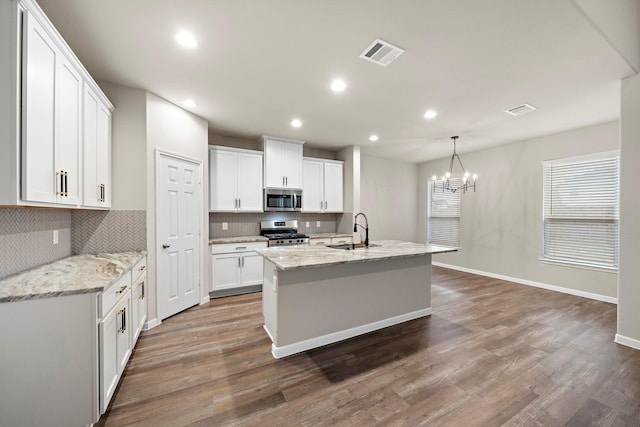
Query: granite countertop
x,y
303,256
79,274
327,235
238,239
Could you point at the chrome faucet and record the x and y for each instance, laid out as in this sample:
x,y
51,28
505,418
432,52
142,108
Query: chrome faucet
x,y
366,227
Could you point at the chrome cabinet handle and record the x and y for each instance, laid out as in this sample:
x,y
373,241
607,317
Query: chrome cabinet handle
x,y
239,203
165,245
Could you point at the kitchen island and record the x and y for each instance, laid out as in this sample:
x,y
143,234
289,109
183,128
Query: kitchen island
x,y
314,296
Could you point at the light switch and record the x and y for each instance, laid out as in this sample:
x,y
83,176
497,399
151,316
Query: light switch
x,y
225,226
307,224
55,237
318,224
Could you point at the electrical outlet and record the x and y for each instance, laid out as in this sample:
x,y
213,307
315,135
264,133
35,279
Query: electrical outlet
x,y
225,226
55,237
318,224
307,224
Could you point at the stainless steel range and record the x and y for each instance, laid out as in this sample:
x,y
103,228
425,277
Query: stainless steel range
x,y
281,233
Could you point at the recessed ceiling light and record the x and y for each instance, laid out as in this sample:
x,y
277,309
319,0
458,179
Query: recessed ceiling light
x,y
186,39
373,138
296,123
430,114
338,85
190,103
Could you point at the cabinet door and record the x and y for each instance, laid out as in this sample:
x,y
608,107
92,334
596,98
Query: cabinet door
x,y
38,113
91,191
251,268
138,308
68,100
222,184
108,331
312,183
293,165
274,164
123,338
333,187
103,163
249,182
319,242
225,271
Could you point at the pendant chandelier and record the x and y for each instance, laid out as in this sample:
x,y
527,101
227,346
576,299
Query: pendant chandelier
x,y
453,182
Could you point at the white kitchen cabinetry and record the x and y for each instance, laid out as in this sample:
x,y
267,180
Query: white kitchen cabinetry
x,y
42,112
235,180
115,336
138,299
52,91
319,242
96,151
322,185
236,265
282,162
324,241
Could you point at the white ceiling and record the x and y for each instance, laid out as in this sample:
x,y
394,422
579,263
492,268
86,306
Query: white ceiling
x,y
261,63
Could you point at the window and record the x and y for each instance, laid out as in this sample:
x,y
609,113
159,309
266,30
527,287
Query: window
x,y
580,210
443,216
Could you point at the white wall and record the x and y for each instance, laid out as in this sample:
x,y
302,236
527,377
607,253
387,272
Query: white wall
x,y
388,198
173,129
351,187
629,270
128,150
501,224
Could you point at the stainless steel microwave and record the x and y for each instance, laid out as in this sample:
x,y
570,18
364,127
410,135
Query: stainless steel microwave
x,y
280,199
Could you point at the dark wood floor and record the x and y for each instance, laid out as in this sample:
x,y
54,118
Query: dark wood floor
x,y
493,353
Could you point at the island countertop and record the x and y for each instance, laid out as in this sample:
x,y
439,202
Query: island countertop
x,y
79,274
303,256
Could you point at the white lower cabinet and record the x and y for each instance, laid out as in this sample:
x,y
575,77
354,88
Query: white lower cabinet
x,y
236,265
115,337
123,312
138,299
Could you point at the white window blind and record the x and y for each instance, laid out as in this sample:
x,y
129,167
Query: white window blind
x,y
580,210
443,216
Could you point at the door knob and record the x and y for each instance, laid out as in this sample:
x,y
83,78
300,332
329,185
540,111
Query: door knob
x,y
165,245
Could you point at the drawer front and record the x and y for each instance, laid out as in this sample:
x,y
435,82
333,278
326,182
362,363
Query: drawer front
x,y
340,240
110,297
139,269
319,242
227,248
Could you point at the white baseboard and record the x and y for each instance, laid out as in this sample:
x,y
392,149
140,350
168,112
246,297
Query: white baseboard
x,y
205,299
151,324
268,332
629,342
334,337
569,291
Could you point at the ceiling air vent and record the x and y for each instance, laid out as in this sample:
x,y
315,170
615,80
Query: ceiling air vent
x,y
520,109
381,52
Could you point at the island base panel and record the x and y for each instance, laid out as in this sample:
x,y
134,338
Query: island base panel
x,y
310,307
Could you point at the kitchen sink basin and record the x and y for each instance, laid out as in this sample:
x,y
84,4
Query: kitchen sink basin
x,y
351,246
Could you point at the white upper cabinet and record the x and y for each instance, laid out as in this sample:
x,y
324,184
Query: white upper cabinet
x,y
333,186
96,152
282,162
47,131
235,180
322,185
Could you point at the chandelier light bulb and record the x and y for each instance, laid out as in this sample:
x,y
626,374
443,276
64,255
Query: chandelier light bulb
x,y
475,176
448,175
434,178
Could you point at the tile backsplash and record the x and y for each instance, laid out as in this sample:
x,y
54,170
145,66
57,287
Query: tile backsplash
x,y
248,224
26,235
108,231
26,238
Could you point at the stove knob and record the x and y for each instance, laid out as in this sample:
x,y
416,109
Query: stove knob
x,y
290,241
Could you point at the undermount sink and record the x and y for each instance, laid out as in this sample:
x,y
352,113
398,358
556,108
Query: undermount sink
x,y
351,246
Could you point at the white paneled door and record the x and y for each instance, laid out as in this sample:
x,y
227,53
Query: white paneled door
x,y
178,210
